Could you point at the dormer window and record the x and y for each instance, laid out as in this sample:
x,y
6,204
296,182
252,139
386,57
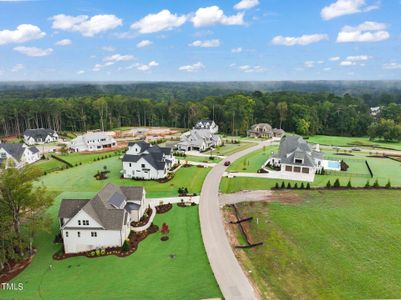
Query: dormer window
x,y
299,161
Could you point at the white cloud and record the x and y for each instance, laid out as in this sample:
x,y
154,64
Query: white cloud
x,y
64,42
80,72
392,66
34,51
163,20
345,7
334,58
144,67
251,69
206,44
85,25
17,68
144,43
365,32
302,40
347,63
118,57
192,68
108,49
23,33
358,58
236,50
246,4
213,15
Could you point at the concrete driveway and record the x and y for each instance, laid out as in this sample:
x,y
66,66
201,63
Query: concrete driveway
x,y
229,275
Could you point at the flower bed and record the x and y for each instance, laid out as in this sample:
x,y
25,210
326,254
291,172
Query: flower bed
x,y
144,220
7,274
133,241
161,209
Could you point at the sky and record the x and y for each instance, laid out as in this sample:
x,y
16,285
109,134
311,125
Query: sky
x,y
181,40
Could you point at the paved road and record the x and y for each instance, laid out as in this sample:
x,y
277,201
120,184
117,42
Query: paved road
x,y
229,275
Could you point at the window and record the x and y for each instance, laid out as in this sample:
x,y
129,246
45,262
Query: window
x,y
79,222
288,168
297,169
85,222
130,165
66,234
299,161
78,233
143,166
93,234
305,170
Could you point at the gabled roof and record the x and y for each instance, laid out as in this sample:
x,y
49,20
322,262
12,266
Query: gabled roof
x,y
101,208
154,155
34,149
39,133
15,150
204,124
70,207
295,147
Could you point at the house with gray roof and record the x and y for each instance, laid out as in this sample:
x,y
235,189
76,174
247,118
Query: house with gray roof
x,y
92,141
18,155
208,125
102,221
40,136
295,155
198,140
265,130
146,161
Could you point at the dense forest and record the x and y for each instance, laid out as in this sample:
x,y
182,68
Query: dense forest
x,y
306,113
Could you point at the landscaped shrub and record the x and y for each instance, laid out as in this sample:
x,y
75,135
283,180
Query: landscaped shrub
x,y
289,186
276,186
125,247
337,183
283,185
349,185
302,186
367,184
388,185
296,186
328,184
308,186
376,183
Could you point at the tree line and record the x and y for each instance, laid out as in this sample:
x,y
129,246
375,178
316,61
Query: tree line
x,y
302,113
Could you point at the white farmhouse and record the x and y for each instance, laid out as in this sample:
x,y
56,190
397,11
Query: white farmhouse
x,y
92,141
103,221
198,140
207,124
40,136
144,161
18,154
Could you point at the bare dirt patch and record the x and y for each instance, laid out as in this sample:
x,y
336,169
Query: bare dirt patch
x,y
287,197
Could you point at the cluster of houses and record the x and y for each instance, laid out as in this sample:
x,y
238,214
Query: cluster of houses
x,y
265,130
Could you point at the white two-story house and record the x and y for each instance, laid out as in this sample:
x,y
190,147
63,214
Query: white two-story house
x,y
40,136
92,141
103,221
144,161
18,155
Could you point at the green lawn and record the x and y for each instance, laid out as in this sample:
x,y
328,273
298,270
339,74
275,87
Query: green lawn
x,y
352,142
252,162
384,169
149,273
77,158
229,149
81,179
330,245
49,165
200,159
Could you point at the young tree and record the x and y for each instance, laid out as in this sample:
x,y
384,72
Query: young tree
x,y
282,109
165,230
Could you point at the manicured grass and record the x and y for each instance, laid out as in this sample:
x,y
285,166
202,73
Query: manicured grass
x,y
384,170
252,162
81,179
352,142
149,273
229,149
49,165
330,245
83,158
200,159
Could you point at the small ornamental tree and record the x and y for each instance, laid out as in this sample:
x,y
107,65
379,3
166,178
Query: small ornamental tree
x,y
302,186
376,183
308,186
165,230
283,185
328,184
296,186
276,186
337,183
289,185
349,185
367,184
388,185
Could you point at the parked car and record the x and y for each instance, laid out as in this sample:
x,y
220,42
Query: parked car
x,y
227,163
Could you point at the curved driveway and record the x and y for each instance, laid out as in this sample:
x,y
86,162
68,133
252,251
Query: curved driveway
x,y
229,275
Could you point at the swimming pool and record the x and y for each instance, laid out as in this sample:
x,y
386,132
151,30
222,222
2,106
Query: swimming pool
x,y
333,165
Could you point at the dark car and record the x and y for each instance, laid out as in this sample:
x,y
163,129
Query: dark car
x,y
227,163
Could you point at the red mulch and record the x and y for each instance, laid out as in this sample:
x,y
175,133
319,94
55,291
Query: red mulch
x,y
144,220
134,239
161,209
15,269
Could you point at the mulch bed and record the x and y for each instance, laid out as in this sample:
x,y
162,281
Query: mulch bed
x,y
344,154
134,239
7,274
144,220
164,238
185,204
161,209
